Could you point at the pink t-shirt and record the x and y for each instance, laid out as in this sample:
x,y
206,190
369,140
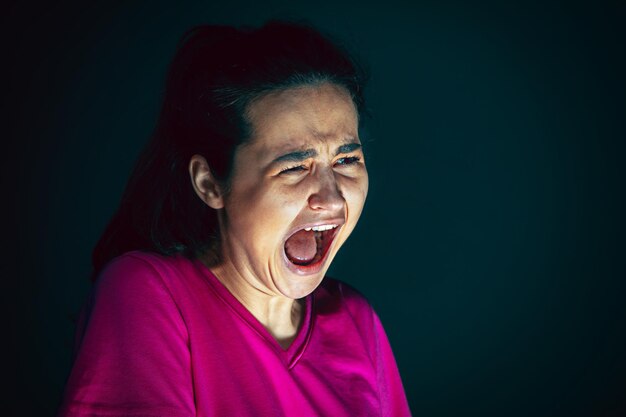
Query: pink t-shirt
x,y
163,337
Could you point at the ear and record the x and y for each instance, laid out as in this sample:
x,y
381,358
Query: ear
x,y
205,185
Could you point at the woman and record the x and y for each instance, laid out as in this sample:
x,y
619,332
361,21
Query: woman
x,y
210,298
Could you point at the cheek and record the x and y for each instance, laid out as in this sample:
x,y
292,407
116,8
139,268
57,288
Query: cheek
x,y
356,193
263,214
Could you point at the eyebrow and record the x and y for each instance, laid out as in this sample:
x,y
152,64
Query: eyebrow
x,y
296,156
347,148
299,156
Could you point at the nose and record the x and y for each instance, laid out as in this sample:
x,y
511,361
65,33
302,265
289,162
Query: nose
x,y
327,195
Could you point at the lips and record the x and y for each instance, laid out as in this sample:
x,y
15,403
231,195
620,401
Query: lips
x,y
306,248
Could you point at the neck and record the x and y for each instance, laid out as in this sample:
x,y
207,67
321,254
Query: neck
x,y
280,315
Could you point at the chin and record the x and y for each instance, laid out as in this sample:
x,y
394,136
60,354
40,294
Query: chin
x,y
296,287
299,282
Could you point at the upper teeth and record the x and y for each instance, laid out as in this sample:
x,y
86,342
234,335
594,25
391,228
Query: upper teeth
x,y
320,228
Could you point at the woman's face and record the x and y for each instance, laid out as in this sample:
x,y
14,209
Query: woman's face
x,y
302,169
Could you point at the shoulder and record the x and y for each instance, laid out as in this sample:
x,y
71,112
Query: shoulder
x,y
138,261
137,274
141,264
131,296
333,292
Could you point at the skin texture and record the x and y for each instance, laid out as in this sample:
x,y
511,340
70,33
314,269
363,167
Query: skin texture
x,y
271,197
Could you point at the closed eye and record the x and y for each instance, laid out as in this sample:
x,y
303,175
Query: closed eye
x,y
293,169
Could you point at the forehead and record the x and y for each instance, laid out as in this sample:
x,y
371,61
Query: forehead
x,y
308,116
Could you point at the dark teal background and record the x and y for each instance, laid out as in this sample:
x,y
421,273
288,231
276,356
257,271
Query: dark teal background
x,y
492,242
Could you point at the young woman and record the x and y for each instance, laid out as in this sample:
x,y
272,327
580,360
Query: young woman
x,y
210,297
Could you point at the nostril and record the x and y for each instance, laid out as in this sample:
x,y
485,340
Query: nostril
x,y
326,200
315,202
327,195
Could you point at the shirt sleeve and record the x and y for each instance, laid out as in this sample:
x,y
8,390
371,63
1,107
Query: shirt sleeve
x,y
392,396
133,358
393,402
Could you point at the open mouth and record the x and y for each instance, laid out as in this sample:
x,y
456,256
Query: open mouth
x,y
308,247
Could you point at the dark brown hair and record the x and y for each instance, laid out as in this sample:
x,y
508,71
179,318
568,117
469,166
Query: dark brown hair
x,y
215,74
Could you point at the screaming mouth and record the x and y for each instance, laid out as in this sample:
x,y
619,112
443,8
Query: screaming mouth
x,y
309,246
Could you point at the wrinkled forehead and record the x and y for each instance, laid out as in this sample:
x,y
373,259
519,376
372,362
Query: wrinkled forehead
x,y
312,116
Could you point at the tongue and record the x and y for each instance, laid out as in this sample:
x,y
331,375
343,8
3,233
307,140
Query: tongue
x,y
301,247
